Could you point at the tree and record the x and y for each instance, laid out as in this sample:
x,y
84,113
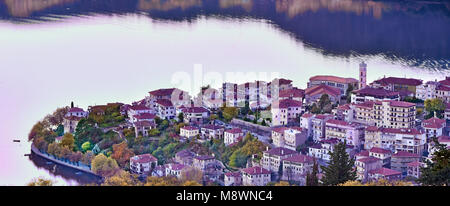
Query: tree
x,y
380,182
191,174
348,93
87,158
434,106
180,117
104,166
282,183
122,154
36,131
86,146
76,157
340,169
122,178
162,181
60,130
154,132
57,117
324,100
68,141
229,113
53,148
238,159
40,143
191,183
311,178
437,171
41,182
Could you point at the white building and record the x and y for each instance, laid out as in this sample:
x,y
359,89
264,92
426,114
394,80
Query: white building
x,y
232,136
434,127
189,132
272,158
352,133
143,164
233,179
285,112
165,109
255,176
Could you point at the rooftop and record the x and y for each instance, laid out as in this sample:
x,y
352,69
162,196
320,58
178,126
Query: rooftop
x,y
380,150
405,154
322,89
280,151
397,80
255,171
385,172
379,92
368,160
164,102
162,92
144,158
234,131
333,79
299,158
434,123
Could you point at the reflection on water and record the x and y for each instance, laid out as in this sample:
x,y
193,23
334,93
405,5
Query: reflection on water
x,y
70,176
414,32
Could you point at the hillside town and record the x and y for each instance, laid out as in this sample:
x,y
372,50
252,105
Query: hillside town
x,y
262,133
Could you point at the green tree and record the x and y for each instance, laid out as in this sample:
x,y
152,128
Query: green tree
x,y
229,113
180,117
434,106
348,93
437,171
311,178
86,146
60,130
238,159
340,169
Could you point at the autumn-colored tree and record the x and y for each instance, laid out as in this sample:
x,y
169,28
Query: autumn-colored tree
x,y
36,131
87,158
40,143
191,183
122,178
40,181
122,154
53,149
104,166
229,113
86,146
380,182
434,107
68,141
191,174
65,152
282,183
162,181
57,117
76,156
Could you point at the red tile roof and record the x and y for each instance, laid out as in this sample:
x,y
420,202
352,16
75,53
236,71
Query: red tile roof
x,y
323,116
294,92
139,107
299,158
76,109
369,160
337,122
144,124
323,89
444,139
145,116
394,130
344,107
434,123
445,82
280,151
363,153
194,110
288,103
405,154
256,171
333,79
368,104
402,81
233,174
385,172
280,129
144,158
415,164
393,103
73,118
330,141
234,131
164,102
177,167
307,115
190,128
443,88
380,150
162,92
378,92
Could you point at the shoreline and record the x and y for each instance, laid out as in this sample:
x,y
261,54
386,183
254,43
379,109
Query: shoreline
x,y
59,162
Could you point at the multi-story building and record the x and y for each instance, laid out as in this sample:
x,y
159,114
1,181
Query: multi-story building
x,y
143,128
165,109
443,92
364,113
364,165
434,127
233,179
384,173
322,149
318,126
211,131
201,162
289,138
427,90
401,159
174,169
352,133
232,136
373,94
176,96
314,93
185,157
394,114
189,131
343,84
410,140
230,94
344,112
293,94
138,109
195,115
444,140
70,123
413,169
306,123
255,176
143,164
447,112
143,117
296,167
272,158
76,112
286,112
383,154
397,84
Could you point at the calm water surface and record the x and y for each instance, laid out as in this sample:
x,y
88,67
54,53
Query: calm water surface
x,y
94,52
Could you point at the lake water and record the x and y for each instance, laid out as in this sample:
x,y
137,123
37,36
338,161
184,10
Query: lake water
x,y
94,52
